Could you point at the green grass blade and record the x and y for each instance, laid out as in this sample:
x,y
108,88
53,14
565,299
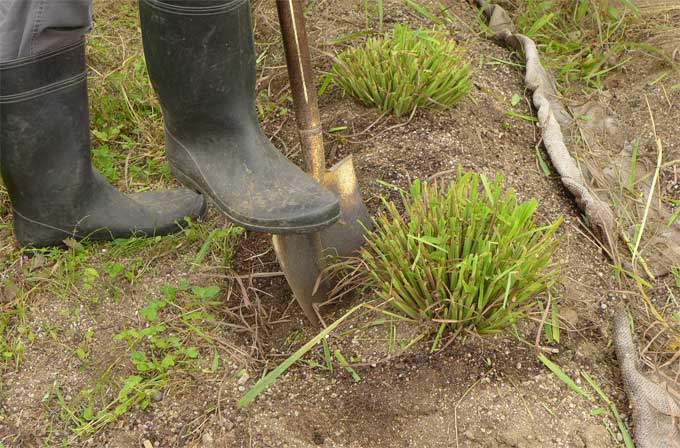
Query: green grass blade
x,y
559,373
627,439
268,379
542,163
420,9
343,362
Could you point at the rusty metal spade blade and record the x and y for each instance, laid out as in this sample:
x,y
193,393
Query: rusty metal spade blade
x,y
347,235
301,260
302,257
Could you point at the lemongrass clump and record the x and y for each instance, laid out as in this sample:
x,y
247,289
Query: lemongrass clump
x,y
464,255
404,69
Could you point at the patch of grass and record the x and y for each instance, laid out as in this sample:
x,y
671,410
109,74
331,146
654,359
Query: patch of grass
x,y
463,256
15,333
91,271
69,269
399,71
582,40
165,343
343,362
218,243
125,116
665,316
423,11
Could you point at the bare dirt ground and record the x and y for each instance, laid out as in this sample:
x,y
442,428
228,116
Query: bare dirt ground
x,y
480,392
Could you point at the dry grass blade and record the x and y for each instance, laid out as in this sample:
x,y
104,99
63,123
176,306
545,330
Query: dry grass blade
x,y
657,6
655,179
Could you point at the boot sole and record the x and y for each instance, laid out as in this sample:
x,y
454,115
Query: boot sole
x,y
188,182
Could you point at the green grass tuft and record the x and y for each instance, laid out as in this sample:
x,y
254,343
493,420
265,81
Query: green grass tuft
x,y
464,255
125,116
582,40
404,69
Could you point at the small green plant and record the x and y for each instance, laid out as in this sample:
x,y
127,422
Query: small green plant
x,y
399,71
463,256
219,244
157,349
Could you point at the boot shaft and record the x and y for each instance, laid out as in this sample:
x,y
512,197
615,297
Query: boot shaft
x,y
44,129
201,60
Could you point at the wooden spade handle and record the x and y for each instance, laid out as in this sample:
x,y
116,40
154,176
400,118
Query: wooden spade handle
x,y
305,102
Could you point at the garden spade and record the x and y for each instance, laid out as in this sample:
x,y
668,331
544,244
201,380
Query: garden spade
x,y
302,256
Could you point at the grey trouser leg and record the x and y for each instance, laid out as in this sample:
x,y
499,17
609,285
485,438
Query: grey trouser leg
x,y
29,27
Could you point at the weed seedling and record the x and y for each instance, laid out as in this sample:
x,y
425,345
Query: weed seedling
x,y
162,345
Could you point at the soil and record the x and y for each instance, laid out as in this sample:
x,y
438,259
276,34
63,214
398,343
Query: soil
x,y
478,392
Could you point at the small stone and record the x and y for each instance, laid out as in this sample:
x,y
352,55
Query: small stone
x,y
243,379
207,440
228,425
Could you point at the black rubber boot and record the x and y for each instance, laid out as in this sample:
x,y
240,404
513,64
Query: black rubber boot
x,y
201,60
46,165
